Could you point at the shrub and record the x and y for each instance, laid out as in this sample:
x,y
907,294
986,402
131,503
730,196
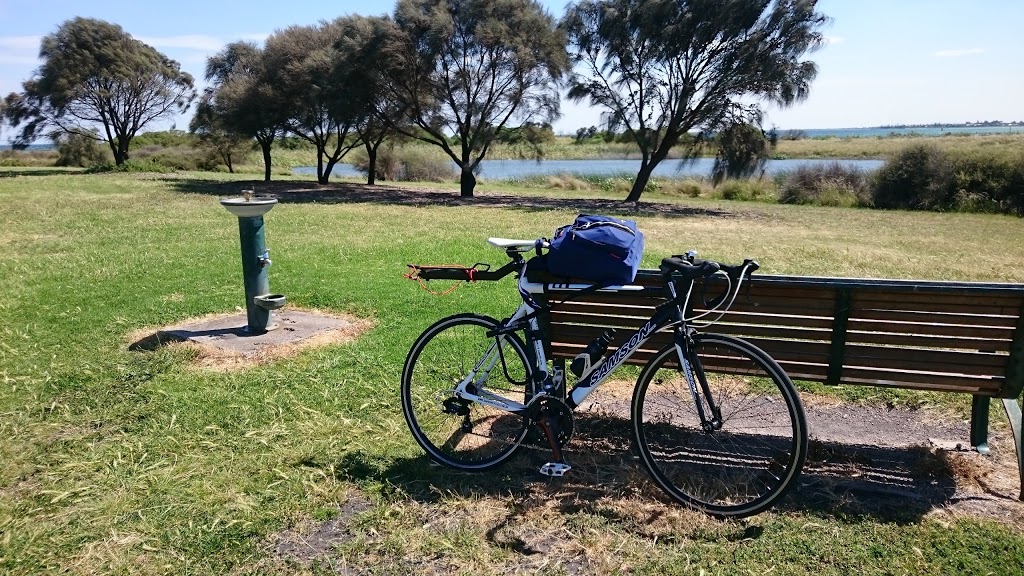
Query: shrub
x,y
23,158
831,184
567,182
746,190
408,164
164,139
80,150
988,182
916,178
688,188
923,177
179,157
132,165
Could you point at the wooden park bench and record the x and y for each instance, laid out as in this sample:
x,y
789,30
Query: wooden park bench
x,y
941,336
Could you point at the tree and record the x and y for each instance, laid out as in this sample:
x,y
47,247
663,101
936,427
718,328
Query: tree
x,y
242,98
215,134
360,64
324,109
98,82
743,151
663,68
465,68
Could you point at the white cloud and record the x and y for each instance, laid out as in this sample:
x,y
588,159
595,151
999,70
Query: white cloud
x,y
188,42
19,49
962,52
197,42
833,40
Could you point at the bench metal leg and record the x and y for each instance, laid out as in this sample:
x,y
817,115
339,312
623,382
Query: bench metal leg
x,y
1014,414
979,423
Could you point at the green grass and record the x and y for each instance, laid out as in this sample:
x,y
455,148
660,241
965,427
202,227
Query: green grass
x,y
136,463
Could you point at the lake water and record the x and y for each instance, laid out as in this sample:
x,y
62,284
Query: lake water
x,y
517,169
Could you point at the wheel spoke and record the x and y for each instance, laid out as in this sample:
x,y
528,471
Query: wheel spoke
x,y
740,468
441,358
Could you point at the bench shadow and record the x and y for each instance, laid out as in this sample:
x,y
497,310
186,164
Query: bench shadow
x,y
897,485
292,192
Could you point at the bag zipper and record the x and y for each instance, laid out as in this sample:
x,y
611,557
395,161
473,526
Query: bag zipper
x,y
590,225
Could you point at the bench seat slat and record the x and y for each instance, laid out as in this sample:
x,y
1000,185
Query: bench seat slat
x,y
922,380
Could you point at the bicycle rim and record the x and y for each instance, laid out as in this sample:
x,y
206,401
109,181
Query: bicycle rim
x,y
464,435
745,465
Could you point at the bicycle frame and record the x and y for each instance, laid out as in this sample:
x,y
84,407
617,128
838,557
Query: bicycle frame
x,y
665,315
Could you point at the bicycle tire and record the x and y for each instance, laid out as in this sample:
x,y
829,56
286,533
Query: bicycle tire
x,y
746,465
481,437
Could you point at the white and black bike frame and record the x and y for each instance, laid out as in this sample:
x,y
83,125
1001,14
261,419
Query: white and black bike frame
x,y
668,314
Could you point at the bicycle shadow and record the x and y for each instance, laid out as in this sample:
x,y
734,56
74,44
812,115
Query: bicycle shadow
x,y
299,192
897,485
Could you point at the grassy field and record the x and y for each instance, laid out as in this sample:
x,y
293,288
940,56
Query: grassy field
x,y
127,462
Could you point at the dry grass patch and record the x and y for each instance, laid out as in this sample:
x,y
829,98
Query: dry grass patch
x,y
218,359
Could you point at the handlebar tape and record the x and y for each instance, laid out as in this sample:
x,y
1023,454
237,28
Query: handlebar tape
x,y
688,270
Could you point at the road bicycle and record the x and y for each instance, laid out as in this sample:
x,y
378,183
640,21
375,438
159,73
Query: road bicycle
x,y
717,423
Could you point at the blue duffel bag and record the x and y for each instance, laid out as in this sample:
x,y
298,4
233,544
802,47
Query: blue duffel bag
x,y
598,249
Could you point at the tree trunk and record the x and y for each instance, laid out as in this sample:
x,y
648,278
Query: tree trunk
x,y
231,169
266,160
468,182
642,178
331,162
371,172
120,153
320,178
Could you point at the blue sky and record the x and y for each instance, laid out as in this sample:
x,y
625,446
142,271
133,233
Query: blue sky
x,y
887,61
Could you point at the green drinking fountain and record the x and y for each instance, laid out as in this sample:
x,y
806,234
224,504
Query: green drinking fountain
x,y
259,301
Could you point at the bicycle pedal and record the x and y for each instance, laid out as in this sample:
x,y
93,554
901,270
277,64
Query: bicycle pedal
x,y
554,469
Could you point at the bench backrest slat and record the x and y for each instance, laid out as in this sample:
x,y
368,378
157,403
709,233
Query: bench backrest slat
x,y
911,334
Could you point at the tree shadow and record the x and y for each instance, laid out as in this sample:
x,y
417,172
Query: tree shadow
x,y
291,192
897,485
40,172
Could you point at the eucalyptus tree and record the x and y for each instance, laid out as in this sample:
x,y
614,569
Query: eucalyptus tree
x,y
241,100
464,69
98,82
663,68
360,63
321,109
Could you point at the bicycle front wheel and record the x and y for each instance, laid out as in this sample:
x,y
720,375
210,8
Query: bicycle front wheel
x,y
746,452
453,431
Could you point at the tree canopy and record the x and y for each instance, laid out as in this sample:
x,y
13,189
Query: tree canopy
x,y
663,68
242,99
325,104
360,65
465,68
98,82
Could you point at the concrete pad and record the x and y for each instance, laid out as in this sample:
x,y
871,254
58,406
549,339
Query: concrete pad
x,y
228,332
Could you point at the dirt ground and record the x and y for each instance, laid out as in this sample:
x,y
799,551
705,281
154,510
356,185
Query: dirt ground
x,y
890,464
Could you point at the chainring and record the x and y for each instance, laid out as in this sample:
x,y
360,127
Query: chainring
x,y
562,415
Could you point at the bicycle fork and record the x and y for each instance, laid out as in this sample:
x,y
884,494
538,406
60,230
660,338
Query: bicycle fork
x,y
693,371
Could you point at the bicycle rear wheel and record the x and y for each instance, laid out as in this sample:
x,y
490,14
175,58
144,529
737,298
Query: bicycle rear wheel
x,y
455,432
743,463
